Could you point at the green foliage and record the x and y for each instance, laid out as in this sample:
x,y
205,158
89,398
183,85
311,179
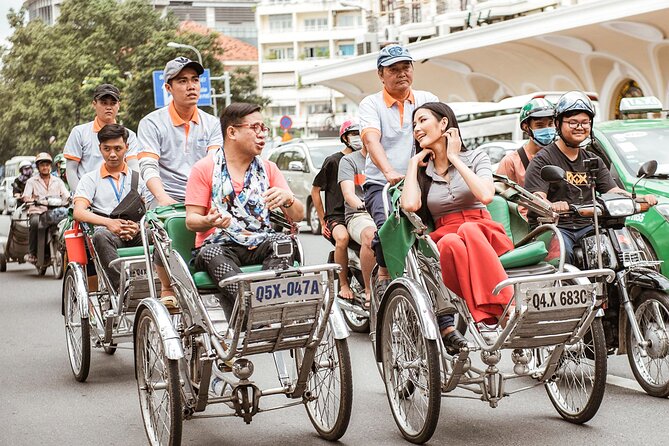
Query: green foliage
x,y
243,87
49,73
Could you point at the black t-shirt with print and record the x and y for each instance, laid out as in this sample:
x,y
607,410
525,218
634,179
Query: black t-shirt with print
x,y
576,174
327,180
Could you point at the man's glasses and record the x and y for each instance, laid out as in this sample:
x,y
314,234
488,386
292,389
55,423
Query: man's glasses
x,y
576,124
259,128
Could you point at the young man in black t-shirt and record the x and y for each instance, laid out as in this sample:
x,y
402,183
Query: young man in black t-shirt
x,y
333,222
573,121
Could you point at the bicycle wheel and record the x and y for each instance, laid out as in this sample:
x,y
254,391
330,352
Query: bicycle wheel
x,y
652,370
158,385
580,378
330,385
410,369
77,330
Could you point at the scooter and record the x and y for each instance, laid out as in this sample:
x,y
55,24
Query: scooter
x,y
636,317
49,243
355,313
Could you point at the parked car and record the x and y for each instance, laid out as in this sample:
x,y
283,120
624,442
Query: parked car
x,y
6,196
299,161
496,150
626,144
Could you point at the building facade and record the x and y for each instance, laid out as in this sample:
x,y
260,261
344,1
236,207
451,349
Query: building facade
x,y
299,34
233,18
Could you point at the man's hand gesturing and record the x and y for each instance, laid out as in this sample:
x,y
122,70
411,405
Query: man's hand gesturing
x,y
217,220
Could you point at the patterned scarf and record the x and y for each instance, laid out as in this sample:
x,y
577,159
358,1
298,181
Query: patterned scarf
x,y
250,224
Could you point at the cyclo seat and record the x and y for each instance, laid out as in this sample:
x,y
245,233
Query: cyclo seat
x,y
183,241
529,254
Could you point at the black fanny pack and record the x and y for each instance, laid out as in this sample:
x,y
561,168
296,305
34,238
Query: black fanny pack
x,y
131,207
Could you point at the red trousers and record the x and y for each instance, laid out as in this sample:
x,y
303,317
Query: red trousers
x,y
470,243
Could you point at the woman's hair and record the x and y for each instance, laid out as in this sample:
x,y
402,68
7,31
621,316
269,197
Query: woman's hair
x,y
440,110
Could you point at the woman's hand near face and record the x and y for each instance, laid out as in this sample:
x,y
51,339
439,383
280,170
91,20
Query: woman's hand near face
x,y
453,143
422,157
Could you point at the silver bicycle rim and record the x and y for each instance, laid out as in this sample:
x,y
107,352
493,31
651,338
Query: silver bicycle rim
x,y
73,325
653,320
324,383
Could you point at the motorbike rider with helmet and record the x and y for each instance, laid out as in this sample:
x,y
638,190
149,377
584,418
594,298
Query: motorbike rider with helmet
x,y
574,114
19,184
60,162
332,218
360,225
536,120
38,189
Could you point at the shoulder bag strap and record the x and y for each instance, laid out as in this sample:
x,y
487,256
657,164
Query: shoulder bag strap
x,y
523,157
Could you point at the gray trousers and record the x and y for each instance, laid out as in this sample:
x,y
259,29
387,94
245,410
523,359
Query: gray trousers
x,y
106,243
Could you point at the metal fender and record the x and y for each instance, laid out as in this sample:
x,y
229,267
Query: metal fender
x,y
80,287
648,278
429,327
169,336
337,322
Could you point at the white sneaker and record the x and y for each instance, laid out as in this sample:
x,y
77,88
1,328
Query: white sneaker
x,y
490,333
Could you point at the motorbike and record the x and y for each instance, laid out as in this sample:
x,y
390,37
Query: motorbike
x,y
50,249
354,311
636,314
16,246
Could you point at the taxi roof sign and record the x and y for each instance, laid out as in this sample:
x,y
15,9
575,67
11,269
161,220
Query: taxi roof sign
x,y
646,104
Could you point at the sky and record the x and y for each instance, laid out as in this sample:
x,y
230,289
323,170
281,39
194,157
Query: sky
x,y
4,9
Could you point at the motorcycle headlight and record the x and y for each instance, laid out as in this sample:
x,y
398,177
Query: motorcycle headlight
x,y
663,210
621,207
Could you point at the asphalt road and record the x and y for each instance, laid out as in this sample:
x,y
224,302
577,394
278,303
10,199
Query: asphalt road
x,y
42,404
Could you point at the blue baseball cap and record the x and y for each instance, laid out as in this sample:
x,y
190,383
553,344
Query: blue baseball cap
x,y
392,54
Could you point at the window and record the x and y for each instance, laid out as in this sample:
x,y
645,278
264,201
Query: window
x,y
347,49
282,110
284,159
319,107
312,52
285,53
317,24
281,22
348,20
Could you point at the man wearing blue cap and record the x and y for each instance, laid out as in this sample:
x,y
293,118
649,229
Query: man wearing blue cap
x,y
387,134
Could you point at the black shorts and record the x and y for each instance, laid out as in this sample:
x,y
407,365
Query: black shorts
x,y
331,224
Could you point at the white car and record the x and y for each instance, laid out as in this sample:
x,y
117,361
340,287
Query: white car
x,y
7,200
496,150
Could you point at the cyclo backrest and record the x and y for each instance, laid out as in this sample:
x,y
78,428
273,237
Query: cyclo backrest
x,y
174,220
506,213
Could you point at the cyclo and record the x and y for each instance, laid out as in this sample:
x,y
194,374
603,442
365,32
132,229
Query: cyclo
x,y
290,312
553,334
102,317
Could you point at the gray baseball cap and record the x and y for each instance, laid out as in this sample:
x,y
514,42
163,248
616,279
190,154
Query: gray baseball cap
x,y
392,54
103,90
175,66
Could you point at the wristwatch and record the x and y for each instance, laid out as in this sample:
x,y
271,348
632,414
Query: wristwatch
x,y
290,203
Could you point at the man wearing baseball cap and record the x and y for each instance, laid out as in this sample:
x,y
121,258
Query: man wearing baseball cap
x,y
82,147
175,137
387,134
172,139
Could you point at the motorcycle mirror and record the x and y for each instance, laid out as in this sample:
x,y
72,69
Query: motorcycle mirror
x,y
552,174
647,169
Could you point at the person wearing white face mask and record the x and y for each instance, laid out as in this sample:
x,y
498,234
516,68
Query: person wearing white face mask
x,y
360,225
332,216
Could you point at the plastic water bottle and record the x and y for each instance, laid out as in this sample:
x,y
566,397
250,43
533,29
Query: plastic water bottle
x,y
216,386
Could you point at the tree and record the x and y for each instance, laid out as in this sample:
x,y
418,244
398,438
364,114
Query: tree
x,y
243,87
49,73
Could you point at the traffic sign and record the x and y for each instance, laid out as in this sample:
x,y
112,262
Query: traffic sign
x,y
161,97
285,122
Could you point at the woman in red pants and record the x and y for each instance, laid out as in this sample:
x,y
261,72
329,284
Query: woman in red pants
x,y
449,185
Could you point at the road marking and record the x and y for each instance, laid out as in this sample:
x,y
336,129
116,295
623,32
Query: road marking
x,y
624,382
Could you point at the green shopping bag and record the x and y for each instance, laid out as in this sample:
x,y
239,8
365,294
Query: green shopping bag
x,y
397,236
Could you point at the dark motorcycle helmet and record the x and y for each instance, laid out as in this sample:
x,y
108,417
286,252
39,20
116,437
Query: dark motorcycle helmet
x,y
571,103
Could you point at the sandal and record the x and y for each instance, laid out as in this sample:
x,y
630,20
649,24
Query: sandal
x,y
171,303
